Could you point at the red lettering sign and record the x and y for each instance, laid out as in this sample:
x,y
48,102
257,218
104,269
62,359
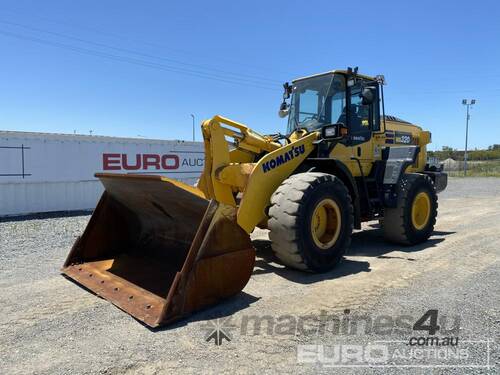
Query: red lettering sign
x,y
116,162
111,162
150,160
166,158
129,167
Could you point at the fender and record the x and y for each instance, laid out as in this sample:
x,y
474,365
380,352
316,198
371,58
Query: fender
x,y
267,175
339,169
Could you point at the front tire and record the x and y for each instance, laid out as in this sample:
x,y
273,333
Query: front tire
x,y
311,221
412,220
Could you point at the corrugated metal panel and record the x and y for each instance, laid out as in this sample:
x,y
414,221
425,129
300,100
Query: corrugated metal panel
x,y
42,172
48,196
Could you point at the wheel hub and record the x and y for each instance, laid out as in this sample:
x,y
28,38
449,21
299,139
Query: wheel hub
x,y
326,223
421,210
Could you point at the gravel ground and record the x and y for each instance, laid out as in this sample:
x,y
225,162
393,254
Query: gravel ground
x,y
50,325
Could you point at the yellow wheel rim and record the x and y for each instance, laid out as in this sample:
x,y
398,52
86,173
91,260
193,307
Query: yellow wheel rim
x,y
421,210
326,223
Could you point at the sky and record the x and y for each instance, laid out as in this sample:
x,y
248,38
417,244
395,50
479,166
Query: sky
x,y
141,68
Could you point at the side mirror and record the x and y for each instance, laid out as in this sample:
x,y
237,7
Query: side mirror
x,y
287,90
368,95
284,109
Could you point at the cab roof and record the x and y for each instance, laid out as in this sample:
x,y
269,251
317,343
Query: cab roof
x,y
331,72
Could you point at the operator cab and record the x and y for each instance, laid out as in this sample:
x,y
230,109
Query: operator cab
x,y
344,99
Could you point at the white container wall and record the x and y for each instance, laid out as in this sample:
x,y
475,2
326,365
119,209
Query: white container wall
x,y
42,172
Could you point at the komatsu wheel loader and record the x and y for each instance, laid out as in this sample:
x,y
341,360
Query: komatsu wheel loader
x,y
160,249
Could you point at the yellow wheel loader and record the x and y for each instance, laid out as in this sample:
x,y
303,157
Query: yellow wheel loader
x,y
160,249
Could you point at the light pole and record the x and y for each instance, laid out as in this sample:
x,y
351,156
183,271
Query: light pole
x,y
468,104
193,125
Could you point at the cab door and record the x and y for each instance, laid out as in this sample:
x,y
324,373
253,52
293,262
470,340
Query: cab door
x,y
362,121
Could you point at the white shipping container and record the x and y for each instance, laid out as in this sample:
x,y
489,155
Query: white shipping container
x,y
41,172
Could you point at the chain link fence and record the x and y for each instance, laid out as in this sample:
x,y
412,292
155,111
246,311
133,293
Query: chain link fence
x,y
456,168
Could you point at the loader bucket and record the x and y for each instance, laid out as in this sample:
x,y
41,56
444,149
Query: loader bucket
x,y
159,250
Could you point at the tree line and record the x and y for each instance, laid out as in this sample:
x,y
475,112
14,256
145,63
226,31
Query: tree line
x,y
492,153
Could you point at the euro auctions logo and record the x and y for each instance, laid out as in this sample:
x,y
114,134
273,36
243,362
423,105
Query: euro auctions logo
x,y
145,162
339,355
397,354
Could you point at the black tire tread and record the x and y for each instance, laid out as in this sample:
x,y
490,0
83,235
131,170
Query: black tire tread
x,y
284,211
394,226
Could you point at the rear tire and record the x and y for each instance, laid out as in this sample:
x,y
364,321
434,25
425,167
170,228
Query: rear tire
x,y
412,220
311,221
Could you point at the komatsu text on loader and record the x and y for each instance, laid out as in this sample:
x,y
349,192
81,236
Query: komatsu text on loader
x,y
160,249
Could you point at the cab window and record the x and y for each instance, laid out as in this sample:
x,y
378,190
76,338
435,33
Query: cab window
x,y
359,115
317,102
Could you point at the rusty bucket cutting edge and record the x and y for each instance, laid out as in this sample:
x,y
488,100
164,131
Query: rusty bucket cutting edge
x,y
159,250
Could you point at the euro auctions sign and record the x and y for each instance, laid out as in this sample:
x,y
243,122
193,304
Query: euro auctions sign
x,y
149,162
43,172
182,163
41,157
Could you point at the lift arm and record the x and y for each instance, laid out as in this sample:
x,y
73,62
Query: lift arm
x,y
252,164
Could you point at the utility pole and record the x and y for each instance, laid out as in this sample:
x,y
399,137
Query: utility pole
x,y
193,125
468,104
